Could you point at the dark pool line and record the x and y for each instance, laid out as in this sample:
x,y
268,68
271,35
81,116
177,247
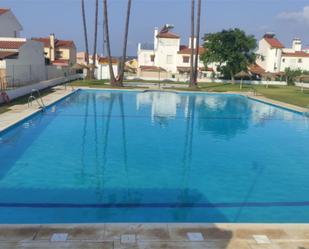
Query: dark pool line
x,y
155,205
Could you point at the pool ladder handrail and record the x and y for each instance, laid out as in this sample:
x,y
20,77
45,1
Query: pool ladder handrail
x,y
66,84
32,98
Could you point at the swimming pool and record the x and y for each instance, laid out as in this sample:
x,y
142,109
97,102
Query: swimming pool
x,y
126,156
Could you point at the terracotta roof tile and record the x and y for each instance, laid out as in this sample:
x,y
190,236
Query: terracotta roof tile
x,y
186,50
152,68
274,42
256,69
296,54
104,60
58,43
61,62
168,35
11,44
2,11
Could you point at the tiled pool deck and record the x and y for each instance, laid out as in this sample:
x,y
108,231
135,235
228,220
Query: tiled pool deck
x,y
157,236
146,236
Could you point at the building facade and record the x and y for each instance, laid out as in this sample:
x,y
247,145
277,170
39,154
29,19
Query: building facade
x,y
9,25
166,58
274,57
58,52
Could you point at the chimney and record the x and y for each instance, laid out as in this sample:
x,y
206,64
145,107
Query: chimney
x,y
194,43
297,45
52,47
156,32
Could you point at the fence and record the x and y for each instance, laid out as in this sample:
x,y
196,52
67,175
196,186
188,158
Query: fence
x,y
15,76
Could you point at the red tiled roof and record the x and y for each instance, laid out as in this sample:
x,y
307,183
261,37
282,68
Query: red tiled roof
x,y
296,54
186,50
58,43
256,69
152,68
2,11
7,54
11,44
168,35
104,60
61,62
274,42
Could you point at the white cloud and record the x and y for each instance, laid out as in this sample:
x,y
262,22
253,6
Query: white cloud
x,y
301,16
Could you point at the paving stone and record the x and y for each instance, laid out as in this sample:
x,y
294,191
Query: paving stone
x,y
75,232
128,239
60,245
261,239
22,233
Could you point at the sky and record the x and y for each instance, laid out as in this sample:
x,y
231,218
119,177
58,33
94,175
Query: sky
x,y
286,18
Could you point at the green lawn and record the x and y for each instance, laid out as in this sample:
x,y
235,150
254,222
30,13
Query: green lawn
x,y
288,94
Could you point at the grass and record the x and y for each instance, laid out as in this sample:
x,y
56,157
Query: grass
x,y
22,100
100,84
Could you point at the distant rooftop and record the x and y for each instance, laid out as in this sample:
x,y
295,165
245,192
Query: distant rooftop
x,y
2,11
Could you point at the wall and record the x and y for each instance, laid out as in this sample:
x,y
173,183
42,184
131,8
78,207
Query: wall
x,y
102,71
9,25
22,91
269,57
292,62
167,47
30,64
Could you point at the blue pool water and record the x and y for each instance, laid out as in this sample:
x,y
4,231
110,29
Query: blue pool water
x,y
116,156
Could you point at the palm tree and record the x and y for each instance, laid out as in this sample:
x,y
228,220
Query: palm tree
x,y
192,44
85,34
125,44
111,71
197,45
95,37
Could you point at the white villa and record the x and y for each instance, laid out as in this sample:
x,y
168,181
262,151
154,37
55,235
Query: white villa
x,y
9,25
166,58
275,57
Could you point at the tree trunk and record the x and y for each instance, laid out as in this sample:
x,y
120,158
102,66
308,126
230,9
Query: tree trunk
x,y
85,36
110,63
197,45
192,43
232,77
95,38
125,44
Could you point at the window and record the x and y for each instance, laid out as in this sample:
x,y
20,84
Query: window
x,y
152,58
59,54
300,61
283,60
169,59
185,59
275,66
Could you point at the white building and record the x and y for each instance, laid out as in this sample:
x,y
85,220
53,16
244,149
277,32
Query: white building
x,y
101,65
21,61
102,68
166,58
274,57
9,25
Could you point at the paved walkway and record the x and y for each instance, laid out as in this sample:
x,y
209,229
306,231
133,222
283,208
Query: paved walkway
x,y
157,236
19,112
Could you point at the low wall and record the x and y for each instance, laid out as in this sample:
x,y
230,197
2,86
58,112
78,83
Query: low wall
x,y
210,80
305,85
22,91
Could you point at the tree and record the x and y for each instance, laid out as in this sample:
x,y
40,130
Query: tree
x,y
232,49
192,44
125,44
291,75
85,34
197,44
95,37
111,71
